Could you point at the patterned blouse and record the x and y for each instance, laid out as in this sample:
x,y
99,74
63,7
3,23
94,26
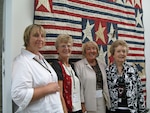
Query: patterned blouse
x,y
134,89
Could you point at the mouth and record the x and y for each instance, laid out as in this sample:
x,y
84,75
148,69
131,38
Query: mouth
x,y
92,55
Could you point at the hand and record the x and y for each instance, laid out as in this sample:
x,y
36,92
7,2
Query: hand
x,y
53,87
83,108
42,91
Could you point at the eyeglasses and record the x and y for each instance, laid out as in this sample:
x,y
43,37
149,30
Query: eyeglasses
x,y
65,46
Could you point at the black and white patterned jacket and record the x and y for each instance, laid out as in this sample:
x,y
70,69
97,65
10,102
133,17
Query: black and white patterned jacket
x,y
135,97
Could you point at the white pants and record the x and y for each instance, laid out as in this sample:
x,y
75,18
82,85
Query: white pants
x,y
101,106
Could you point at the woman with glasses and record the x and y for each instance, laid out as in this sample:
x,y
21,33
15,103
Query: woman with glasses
x,y
124,83
67,79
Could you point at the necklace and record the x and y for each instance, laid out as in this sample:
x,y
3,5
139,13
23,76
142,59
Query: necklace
x,y
43,65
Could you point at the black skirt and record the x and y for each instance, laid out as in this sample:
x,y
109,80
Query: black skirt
x,y
119,111
80,111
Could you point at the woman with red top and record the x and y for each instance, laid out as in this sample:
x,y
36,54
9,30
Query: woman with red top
x,y
67,79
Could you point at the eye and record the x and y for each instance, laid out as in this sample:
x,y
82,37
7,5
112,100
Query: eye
x,y
63,46
36,35
42,35
124,51
88,48
94,48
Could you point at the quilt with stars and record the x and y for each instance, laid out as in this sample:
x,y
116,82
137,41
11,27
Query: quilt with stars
x,y
103,21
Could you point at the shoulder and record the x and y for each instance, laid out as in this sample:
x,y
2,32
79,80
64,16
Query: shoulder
x,y
20,59
101,62
80,61
55,64
130,68
110,66
80,64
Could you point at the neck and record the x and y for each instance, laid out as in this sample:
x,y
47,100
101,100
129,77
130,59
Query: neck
x,y
119,66
65,61
92,62
120,69
33,51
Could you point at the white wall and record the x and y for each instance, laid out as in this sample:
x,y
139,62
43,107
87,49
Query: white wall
x,y
22,16
19,14
146,19
7,48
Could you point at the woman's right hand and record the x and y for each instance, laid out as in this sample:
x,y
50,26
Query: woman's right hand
x,y
83,108
53,87
42,91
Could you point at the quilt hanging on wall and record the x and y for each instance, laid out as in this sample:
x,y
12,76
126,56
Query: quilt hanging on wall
x,y
103,21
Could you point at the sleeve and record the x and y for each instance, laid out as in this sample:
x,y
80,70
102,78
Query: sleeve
x,y
73,67
108,77
79,73
58,70
141,101
21,89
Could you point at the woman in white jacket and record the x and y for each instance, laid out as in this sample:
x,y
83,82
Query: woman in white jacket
x,y
92,75
35,86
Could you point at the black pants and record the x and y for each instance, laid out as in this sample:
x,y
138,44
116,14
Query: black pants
x,y
119,111
80,111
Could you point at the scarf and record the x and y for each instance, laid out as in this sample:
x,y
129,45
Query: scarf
x,y
67,86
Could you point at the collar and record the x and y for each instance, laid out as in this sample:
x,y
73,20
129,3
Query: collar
x,y
29,54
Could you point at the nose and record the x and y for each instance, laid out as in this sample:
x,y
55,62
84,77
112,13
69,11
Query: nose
x,y
65,46
92,50
122,52
41,37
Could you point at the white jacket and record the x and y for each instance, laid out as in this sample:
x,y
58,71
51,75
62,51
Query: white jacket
x,y
87,78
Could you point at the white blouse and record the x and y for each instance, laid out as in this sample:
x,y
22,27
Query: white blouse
x,y
28,74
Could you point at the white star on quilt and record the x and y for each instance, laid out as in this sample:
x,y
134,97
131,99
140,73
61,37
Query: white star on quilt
x,y
138,19
130,2
138,3
102,54
111,34
45,3
119,1
100,33
87,31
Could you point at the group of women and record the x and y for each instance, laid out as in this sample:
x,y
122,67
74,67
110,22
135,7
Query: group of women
x,y
85,86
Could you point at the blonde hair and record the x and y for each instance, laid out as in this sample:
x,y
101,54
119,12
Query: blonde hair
x,y
63,38
116,44
86,44
29,30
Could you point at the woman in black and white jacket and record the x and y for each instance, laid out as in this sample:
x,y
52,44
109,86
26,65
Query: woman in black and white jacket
x,y
124,83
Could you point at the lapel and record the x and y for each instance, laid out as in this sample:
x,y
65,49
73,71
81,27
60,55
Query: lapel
x,y
125,73
87,64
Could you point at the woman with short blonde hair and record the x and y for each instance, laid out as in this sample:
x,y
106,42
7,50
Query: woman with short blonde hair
x,y
92,76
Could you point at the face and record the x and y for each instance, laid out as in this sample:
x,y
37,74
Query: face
x,y
91,52
120,54
36,42
64,50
